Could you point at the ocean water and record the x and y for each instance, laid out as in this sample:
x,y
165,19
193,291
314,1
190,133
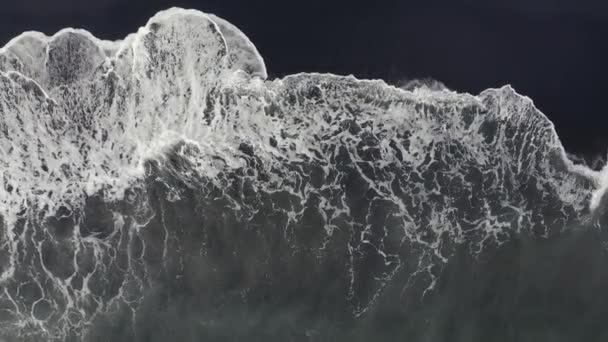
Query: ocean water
x,y
163,188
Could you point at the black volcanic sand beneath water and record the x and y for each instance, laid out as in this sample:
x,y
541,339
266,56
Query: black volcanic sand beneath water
x,y
528,289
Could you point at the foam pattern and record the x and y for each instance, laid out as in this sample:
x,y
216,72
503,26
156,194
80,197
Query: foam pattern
x,y
102,143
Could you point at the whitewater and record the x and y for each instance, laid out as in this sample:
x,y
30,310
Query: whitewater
x,y
169,155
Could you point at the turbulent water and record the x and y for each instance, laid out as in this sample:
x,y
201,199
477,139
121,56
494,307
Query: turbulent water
x,y
161,188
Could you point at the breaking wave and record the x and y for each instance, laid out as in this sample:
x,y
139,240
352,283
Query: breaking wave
x,y
146,165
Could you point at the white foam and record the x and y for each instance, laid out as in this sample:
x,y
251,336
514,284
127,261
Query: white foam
x,y
79,115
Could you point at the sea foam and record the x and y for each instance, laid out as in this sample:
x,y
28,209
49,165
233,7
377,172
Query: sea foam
x,y
406,175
